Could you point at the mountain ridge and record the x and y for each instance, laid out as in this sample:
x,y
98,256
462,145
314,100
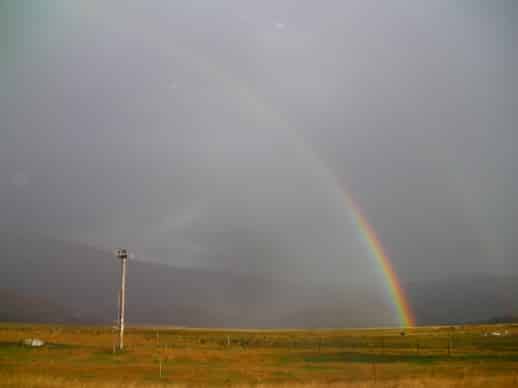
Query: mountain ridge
x,y
45,280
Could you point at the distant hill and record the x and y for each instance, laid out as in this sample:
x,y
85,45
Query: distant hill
x,y
503,319
43,280
464,299
19,308
83,281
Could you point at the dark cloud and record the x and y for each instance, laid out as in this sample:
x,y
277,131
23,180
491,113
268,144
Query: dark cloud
x,y
227,135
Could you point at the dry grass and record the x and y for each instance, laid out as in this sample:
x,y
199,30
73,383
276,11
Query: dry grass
x,y
82,357
27,381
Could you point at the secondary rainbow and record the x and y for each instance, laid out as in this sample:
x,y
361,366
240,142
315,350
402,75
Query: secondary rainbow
x,y
375,249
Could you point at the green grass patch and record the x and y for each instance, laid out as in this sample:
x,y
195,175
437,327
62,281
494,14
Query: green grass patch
x,y
109,357
369,358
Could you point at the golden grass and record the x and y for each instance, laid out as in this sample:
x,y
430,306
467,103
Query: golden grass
x,y
30,381
82,357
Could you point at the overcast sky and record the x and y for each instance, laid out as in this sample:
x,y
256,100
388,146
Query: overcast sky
x,y
225,134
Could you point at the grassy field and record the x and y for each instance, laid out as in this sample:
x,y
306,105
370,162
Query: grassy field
x,y
76,356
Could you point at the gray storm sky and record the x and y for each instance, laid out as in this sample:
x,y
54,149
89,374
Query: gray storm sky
x,y
225,134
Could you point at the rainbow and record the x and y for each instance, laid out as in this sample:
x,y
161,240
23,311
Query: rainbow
x,y
320,168
246,99
375,249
